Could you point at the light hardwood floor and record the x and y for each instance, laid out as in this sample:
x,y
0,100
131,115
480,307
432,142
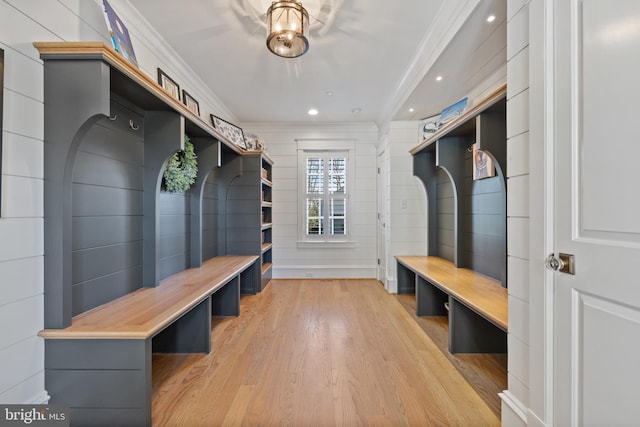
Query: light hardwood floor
x,y
317,353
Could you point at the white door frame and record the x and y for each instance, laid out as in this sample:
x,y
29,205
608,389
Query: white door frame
x,y
541,225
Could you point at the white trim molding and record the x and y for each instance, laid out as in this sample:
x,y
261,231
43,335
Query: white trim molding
x,y
515,405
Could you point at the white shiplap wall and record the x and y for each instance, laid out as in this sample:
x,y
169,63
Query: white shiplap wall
x,y
21,224
407,200
516,398
292,261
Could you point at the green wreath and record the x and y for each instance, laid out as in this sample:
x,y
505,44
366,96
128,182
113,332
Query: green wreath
x,y
182,169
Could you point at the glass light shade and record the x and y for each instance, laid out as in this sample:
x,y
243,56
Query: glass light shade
x,y
287,29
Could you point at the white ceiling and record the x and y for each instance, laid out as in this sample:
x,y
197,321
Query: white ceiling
x,y
370,54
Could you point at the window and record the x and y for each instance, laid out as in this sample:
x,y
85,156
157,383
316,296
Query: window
x,y
324,198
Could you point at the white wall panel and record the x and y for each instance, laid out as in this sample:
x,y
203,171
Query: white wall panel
x,y
518,359
23,115
22,197
519,319
518,237
518,32
25,392
518,155
26,360
30,311
21,238
26,154
20,279
514,6
518,73
23,74
518,272
518,196
518,116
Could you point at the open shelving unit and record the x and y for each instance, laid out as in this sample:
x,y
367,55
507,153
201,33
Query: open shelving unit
x,y
266,183
467,218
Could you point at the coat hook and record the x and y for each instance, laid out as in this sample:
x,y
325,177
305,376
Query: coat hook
x,y
133,126
115,116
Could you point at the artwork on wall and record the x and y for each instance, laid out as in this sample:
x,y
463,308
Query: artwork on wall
x,y
231,131
482,164
119,34
168,84
191,103
1,115
429,126
452,111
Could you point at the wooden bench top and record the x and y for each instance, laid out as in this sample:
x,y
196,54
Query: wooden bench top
x,y
483,294
143,313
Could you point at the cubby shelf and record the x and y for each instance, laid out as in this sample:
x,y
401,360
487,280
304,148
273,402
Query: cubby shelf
x,y
467,217
105,150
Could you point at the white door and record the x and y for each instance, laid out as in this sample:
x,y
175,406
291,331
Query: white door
x,y
596,140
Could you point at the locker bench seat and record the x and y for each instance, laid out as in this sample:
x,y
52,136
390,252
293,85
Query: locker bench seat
x,y
477,304
100,366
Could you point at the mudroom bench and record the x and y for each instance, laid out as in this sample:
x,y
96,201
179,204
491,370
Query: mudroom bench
x,y
100,366
476,304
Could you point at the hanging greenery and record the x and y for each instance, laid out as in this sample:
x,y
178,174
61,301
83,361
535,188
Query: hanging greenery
x,y
182,169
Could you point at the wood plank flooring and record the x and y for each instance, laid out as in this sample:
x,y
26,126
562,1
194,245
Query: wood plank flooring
x,y
316,353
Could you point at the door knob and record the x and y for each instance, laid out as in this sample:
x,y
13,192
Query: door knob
x,y
564,263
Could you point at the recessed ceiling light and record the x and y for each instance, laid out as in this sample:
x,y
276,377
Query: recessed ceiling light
x,y
411,110
438,78
491,18
329,93
356,110
312,112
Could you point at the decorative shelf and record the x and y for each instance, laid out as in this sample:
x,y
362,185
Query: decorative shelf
x,y
463,123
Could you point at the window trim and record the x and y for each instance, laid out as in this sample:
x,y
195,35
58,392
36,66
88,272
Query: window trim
x,y
309,147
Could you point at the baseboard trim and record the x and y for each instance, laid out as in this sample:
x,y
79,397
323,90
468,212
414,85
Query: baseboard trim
x,y
515,405
325,271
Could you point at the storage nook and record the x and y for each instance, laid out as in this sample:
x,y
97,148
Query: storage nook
x,y
465,275
131,269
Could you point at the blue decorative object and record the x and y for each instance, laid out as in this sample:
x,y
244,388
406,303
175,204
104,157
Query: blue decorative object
x,y
119,34
452,111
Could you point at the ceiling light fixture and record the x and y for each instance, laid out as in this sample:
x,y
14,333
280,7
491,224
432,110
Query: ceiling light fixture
x,y
287,29
439,78
491,18
312,112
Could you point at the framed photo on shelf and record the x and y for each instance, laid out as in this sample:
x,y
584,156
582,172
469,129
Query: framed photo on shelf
x,y
119,34
191,103
429,126
231,131
482,164
168,84
452,111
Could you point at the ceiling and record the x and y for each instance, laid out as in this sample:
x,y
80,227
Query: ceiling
x,y
366,61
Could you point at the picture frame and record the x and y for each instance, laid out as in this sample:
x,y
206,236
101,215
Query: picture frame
x,y
119,34
253,142
482,164
452,111
168,84
429,126
191,103
231,131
